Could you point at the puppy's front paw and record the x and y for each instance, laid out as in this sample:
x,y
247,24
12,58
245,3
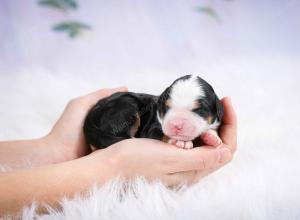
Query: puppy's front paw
x,y
181,144
211,138
188,145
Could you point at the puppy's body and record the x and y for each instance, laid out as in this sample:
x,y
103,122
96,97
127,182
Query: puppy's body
x,y
184,111
121,116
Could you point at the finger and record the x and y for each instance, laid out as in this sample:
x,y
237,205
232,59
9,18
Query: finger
x,y
228,129
102,93
199,158
229,113
91,98
211,139
193,176
203,173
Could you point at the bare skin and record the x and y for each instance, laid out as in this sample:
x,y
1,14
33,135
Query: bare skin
x,y
62,165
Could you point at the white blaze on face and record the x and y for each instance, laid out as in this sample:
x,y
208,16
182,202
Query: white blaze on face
x,y
184,93
180,122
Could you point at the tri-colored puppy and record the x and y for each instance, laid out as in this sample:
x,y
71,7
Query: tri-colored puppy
x,y
186,112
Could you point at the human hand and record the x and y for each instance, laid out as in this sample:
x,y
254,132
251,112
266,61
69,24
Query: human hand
x,y
155,159
227,135
67,137
158,160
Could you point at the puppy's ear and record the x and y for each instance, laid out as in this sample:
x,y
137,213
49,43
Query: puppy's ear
x,y
161,103
164,96
219,109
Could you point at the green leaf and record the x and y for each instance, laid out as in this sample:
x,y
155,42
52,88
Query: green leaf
x,y
209,11
72,28
63,5
51,3
71,4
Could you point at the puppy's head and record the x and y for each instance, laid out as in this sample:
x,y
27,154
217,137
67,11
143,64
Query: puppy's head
x,y
188,108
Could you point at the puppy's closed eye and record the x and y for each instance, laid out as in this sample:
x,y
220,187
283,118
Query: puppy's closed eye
x,y
196,109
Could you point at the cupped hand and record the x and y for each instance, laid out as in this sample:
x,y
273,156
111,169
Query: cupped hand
x,y
158,160
228,135
67,134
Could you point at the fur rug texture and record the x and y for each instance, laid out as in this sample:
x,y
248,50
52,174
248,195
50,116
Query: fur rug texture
x,y
262,182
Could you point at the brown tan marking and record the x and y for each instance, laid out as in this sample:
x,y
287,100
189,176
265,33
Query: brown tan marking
x,y
196,105
168,103
165,139
136,126
209,119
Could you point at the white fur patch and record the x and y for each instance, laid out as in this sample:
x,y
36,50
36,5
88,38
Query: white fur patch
x,y
214,125
185,92
194,124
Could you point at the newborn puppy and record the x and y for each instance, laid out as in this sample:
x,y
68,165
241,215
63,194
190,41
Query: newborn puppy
x,y
186,112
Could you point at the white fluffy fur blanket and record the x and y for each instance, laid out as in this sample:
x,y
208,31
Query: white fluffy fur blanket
x,y
262,182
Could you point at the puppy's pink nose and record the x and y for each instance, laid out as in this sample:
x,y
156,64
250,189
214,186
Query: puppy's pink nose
x,y
176,126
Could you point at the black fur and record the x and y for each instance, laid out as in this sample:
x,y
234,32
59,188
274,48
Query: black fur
x,y
112,118
210,106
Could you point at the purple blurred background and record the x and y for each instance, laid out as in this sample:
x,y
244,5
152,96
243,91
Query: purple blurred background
x,y
136,35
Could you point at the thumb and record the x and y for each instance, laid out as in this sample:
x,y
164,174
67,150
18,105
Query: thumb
x,y
102,93
119,89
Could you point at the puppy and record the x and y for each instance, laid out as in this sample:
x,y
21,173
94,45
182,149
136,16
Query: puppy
x,y
185,114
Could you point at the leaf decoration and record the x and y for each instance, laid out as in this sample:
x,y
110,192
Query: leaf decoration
x,y
63,5
209,11
72,28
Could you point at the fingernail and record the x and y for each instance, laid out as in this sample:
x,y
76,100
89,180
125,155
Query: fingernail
x,y
224,154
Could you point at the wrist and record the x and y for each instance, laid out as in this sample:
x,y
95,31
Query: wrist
x,y
51,150
105,164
